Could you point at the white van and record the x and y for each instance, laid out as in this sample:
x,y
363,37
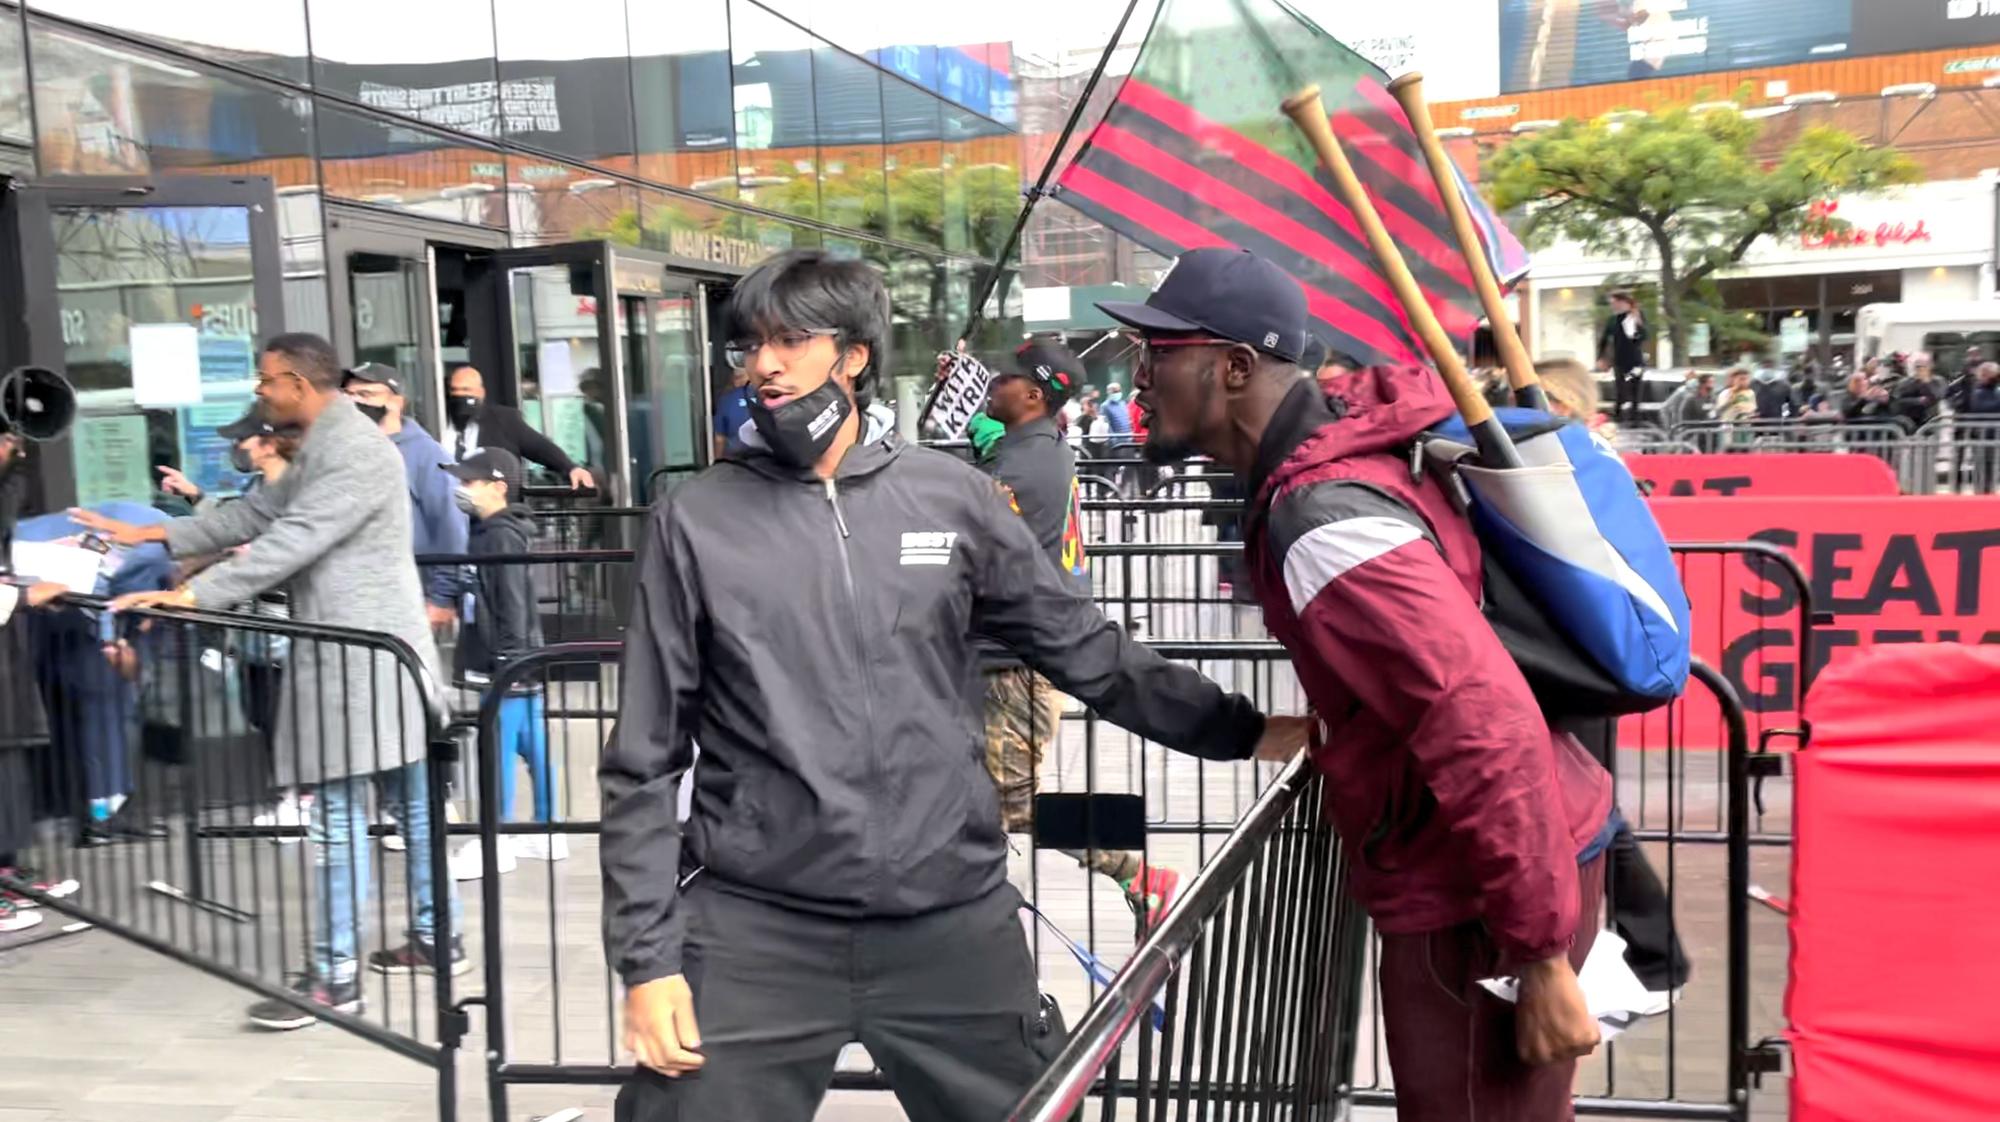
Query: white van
x,y
1951,331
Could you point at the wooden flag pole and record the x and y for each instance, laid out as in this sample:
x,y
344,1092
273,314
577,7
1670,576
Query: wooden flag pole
x,y
1408,91
1495,449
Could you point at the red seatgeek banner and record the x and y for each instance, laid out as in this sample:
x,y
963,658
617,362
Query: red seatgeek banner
x,y
1830,474
1896,569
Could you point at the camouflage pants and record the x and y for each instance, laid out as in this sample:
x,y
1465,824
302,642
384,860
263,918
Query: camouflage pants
x,y
1023,717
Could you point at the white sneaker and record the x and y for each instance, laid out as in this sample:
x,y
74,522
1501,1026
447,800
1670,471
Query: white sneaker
x,y
541,847
292,812
14,919
466,864
394,843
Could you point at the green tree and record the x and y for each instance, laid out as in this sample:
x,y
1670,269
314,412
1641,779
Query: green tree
x,y
1683,191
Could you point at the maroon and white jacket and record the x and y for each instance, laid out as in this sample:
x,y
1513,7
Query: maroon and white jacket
x,y
1455,799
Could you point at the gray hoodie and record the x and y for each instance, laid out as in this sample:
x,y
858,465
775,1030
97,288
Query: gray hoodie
x,y
814,637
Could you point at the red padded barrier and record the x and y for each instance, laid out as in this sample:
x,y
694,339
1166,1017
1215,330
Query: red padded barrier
x,y
1894,999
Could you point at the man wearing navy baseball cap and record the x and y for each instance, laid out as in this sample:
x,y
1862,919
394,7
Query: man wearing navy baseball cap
x,y
1483,829
1210,298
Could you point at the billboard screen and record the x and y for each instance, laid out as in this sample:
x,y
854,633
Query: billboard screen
x,y
1548,44
1884,26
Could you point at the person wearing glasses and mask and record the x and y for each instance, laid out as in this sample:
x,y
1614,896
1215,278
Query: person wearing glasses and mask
x,y
335,530
806,608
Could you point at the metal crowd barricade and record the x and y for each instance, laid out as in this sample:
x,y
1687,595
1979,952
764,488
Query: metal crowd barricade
x,y
1246,997
1958,455
550,1002
169,738
1873,435
580,594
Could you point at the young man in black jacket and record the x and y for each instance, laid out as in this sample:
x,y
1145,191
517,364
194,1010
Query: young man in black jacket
x,y
501,623
804,608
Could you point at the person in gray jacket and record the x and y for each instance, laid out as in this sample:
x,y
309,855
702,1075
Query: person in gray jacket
x,y
804,608
1037,472
335,530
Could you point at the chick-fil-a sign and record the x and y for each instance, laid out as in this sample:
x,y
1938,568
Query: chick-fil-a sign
x,y
1821,231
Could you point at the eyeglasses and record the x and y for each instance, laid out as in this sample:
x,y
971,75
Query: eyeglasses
x,y
1147,345
787,344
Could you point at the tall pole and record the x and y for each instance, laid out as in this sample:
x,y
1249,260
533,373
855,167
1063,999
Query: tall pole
x,y
1408,91
1496,449
1036,193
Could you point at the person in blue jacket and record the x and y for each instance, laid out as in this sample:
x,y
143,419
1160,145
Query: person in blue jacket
x,y
436,523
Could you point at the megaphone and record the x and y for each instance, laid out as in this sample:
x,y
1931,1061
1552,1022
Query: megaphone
x,y
36,402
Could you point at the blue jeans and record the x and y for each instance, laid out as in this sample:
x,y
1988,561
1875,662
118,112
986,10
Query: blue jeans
x,y
339,832
524,733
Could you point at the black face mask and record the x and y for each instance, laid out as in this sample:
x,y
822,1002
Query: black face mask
x,y
374,413
461,410
239,458
800,431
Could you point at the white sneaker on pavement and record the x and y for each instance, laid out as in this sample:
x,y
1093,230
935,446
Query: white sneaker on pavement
x,y
292,812
541,847
393,841
467,864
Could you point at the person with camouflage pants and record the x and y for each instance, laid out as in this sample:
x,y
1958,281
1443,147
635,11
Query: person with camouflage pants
x,y
1023,710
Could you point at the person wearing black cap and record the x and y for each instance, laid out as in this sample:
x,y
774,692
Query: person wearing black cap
x,y
437,526
1475,831
1037,471
502,622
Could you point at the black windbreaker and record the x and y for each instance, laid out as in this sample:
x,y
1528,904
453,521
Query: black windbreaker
x,y
815,638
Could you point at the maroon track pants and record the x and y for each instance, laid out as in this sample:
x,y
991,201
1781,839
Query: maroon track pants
x,y
1451,1044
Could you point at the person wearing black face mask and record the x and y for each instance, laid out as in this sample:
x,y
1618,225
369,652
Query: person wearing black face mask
x,y
808,603
472,423
437,526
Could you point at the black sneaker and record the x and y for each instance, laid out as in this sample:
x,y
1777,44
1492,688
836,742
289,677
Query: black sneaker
x,y
283,1016
418,957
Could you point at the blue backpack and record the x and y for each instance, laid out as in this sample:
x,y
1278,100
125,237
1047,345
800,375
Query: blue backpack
x,y
1580,584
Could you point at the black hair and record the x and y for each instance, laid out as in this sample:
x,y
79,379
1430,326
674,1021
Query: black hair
x,y
811,288
312,358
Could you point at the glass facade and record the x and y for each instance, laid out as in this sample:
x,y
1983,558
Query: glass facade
x,y
713,131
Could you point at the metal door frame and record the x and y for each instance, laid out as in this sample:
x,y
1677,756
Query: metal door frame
x,y
597,256
29,273
352,229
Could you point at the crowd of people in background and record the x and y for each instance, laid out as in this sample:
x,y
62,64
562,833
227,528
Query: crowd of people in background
x,y
1905,388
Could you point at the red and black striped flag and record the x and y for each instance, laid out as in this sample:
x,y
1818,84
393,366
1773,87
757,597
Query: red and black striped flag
x,y
1194,152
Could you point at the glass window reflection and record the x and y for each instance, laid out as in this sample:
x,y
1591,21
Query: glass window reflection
x,y
847,100
114,111
268,36
916,157
399,166
436,67
565,82
14,127
681,84
552,202
776,131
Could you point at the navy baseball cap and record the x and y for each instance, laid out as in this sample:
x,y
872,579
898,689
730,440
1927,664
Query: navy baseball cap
x,y
1231,294
489,463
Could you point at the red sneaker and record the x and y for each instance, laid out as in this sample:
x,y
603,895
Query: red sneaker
x,y
1151,893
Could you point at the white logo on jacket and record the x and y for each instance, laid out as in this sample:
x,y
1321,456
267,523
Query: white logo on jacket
x,y
928,547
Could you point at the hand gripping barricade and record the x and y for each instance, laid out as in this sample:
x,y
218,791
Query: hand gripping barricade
x,y
1580,583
